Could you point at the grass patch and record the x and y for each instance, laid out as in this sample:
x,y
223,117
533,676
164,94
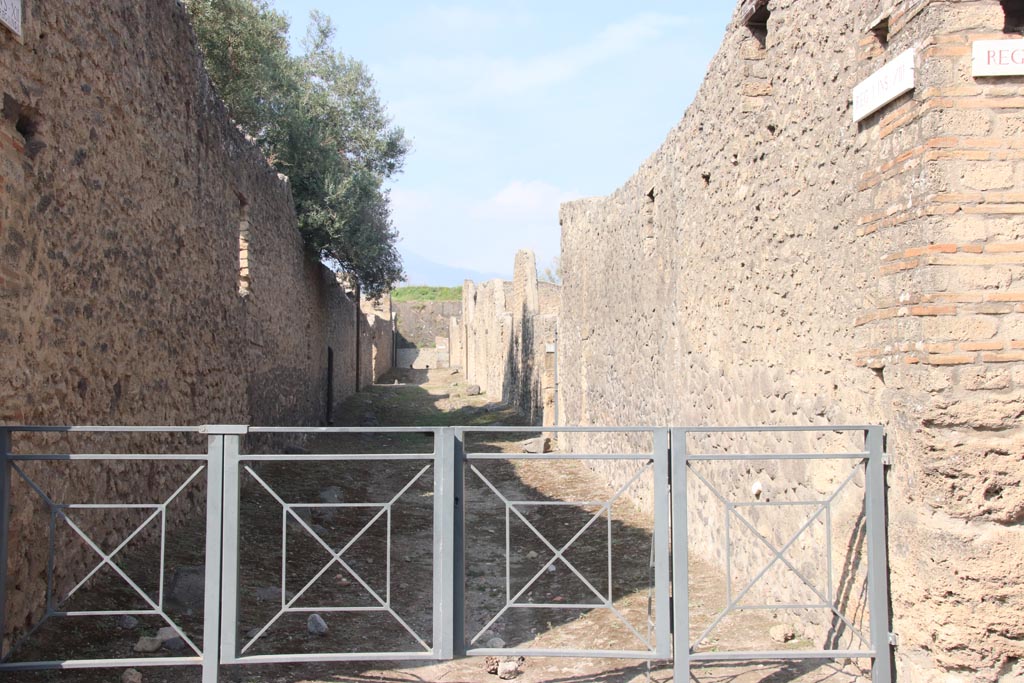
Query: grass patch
x,y
419,293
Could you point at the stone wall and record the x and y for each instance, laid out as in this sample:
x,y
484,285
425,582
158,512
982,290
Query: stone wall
x,y
456,342
377,341
151,270
507,336
419,323
776,263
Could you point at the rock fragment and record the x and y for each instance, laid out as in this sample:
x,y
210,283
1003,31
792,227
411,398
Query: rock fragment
x,y
316,625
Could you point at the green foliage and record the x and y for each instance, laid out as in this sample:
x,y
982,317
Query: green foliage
x,y
319,120
552,272
427,294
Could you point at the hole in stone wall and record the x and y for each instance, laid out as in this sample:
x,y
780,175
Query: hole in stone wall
x,y
650,194
27,121
755,16
880,30
706,177
1013,11
244,273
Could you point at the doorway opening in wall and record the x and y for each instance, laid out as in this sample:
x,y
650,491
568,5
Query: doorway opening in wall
x,y
755,16
880,30
329,410
1013,12
244,274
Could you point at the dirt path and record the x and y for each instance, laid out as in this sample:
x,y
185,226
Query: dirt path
x,y
438,398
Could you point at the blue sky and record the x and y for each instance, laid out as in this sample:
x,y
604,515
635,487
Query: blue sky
x,y
514,107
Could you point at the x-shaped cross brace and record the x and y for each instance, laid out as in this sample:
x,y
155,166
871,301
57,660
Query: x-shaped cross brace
x,y
778,555
559,555
385,605
106,559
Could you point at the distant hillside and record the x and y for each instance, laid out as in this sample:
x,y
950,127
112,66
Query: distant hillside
x,y
420,293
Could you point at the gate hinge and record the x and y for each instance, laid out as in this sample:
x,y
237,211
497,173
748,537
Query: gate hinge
x,y
894,639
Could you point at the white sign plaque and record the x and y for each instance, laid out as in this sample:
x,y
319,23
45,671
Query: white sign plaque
x,y
10,15
884,86
998,58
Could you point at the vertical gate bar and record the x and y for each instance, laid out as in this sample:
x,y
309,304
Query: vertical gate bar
x,y
5,522
878,562
444,534
459,546
728,553
662,511
680,561
229,553
828,555
211,607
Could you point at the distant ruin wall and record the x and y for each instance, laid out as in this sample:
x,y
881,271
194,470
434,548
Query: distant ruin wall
x,y
776,263
151,270
419,323
507,339
378,340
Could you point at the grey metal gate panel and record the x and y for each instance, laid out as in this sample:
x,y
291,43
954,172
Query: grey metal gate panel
x,y
10,466
657,461
872,458
235,464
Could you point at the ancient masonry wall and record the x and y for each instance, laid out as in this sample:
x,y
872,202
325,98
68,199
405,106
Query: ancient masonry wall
x,y
776,263
507,338
420,323
151,271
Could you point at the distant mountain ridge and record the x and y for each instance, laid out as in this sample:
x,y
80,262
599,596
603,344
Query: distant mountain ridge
x,y
422,271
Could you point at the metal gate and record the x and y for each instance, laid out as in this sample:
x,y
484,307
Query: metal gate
x,y
229,474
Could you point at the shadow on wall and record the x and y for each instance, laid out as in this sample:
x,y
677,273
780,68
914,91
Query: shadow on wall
x,y
508,340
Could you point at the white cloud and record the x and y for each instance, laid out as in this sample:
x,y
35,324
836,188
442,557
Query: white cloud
x,y
486,76
459,230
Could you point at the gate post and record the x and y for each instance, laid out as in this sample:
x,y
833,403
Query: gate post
x,y
222,448
680,560
444,537
5,523
662,514
878,560
459,545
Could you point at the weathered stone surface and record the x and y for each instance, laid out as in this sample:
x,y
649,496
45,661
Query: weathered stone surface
x,y
187,587
131,676
167,633
510,667
316,625
176,644
148,644
775,263
419,323
126,293
506,339
127,622
473,390
782,633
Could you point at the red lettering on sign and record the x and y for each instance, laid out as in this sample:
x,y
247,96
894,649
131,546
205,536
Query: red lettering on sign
x,y
990,56
1017,56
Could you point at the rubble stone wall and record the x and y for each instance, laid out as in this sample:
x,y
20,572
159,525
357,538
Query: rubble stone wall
x,y
151,270
776,263
507,335
419,323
